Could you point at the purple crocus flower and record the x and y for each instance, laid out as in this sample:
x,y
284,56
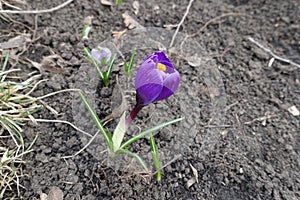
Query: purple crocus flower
x,y
156,79
101,55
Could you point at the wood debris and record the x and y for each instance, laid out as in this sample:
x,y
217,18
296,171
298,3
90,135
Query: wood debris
x,y
16,42
107,3
130,23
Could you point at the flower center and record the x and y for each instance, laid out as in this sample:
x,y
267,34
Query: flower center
x,y
161,67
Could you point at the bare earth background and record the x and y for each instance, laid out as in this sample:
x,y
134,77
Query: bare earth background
x,y
251,152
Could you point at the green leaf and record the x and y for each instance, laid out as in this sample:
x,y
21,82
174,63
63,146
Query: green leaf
x,y
107,74
111,63
33,142
118,2
92,60
103,61
135,156
131,62
119,133
31,110
143,134
155,157
105,79
96,120
111,145
85,31
128,67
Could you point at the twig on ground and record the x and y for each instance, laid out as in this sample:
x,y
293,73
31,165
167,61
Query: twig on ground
x,y
169,163
57,121
273,54
219,126
259,119
221,57
82,149
10,5
181,22
57,92
36,11
35,27
231,105
238,119
214,20
210,22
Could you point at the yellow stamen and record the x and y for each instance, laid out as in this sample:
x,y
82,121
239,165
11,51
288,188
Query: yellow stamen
x,y
161,67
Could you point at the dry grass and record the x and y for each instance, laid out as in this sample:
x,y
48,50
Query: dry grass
x,y
10,4
16,107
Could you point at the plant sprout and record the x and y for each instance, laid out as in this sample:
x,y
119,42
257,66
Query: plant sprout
x,y
85,32
100,57
118,2
128,66
155,157
156,79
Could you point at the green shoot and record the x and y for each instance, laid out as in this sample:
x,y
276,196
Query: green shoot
x,y
32,143
92,60
107,74
129,66
118,2
98,123
103,61
103,75
109,136
145,133
137,158
85,31
155,157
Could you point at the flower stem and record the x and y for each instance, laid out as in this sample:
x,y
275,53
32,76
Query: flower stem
x,y
133,114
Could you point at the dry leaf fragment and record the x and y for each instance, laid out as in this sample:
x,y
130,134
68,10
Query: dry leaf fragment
x,y
49,64
88,20
170,26
130,23
118,33
271,61
195,172
107,3
213,92
120,104
190,182
5,157
16,42
294,111
136,7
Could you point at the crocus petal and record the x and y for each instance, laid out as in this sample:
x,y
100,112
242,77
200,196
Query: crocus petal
x,y
170,84
101,52
147,73
156,78
96,54
148,82
163,59
149,92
